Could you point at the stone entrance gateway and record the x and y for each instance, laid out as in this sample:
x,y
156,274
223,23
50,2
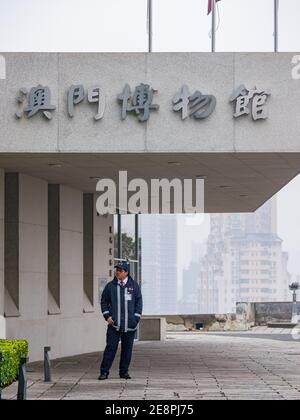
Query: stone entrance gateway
x,y
68,119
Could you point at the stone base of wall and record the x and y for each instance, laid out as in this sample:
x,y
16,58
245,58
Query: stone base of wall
x,y
247,315
219,322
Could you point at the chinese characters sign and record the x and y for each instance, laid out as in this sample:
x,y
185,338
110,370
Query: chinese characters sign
x,y
255,99
140,102
76,94
195,105
38,100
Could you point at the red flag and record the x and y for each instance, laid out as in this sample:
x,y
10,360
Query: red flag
x,y
209,8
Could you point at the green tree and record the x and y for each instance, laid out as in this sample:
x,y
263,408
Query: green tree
x,y
128,246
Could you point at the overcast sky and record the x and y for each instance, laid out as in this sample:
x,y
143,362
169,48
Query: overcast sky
x,y
120,25
179,25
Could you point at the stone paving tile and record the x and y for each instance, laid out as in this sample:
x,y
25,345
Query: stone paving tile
x,y
186,366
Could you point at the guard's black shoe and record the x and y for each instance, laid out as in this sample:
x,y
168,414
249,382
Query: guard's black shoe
x,y
103,376
125,376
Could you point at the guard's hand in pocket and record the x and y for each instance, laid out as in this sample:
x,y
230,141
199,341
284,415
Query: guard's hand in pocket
x,y
110,321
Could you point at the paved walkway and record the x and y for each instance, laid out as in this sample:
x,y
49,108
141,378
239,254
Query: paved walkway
x,y
186,366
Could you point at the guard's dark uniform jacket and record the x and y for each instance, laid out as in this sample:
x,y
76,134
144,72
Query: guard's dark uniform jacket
x,y
123,304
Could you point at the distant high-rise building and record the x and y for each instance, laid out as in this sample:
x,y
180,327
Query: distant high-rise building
x,y
159,263
244,261
188,304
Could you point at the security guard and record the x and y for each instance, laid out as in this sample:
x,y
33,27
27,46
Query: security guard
x,y
121,305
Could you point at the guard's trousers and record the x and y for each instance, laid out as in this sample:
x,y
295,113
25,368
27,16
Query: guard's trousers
x,y
112,340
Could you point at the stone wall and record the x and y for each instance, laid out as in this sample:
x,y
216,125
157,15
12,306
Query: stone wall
x,y
218,322
76,326
273,312
247,315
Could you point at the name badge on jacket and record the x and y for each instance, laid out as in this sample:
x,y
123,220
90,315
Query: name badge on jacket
x,y
128,294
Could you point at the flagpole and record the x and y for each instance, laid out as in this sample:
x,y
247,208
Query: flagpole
x,y
213,26
149,24
276,7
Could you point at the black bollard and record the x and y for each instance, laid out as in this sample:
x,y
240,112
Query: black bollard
x,y
22,386
47,365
